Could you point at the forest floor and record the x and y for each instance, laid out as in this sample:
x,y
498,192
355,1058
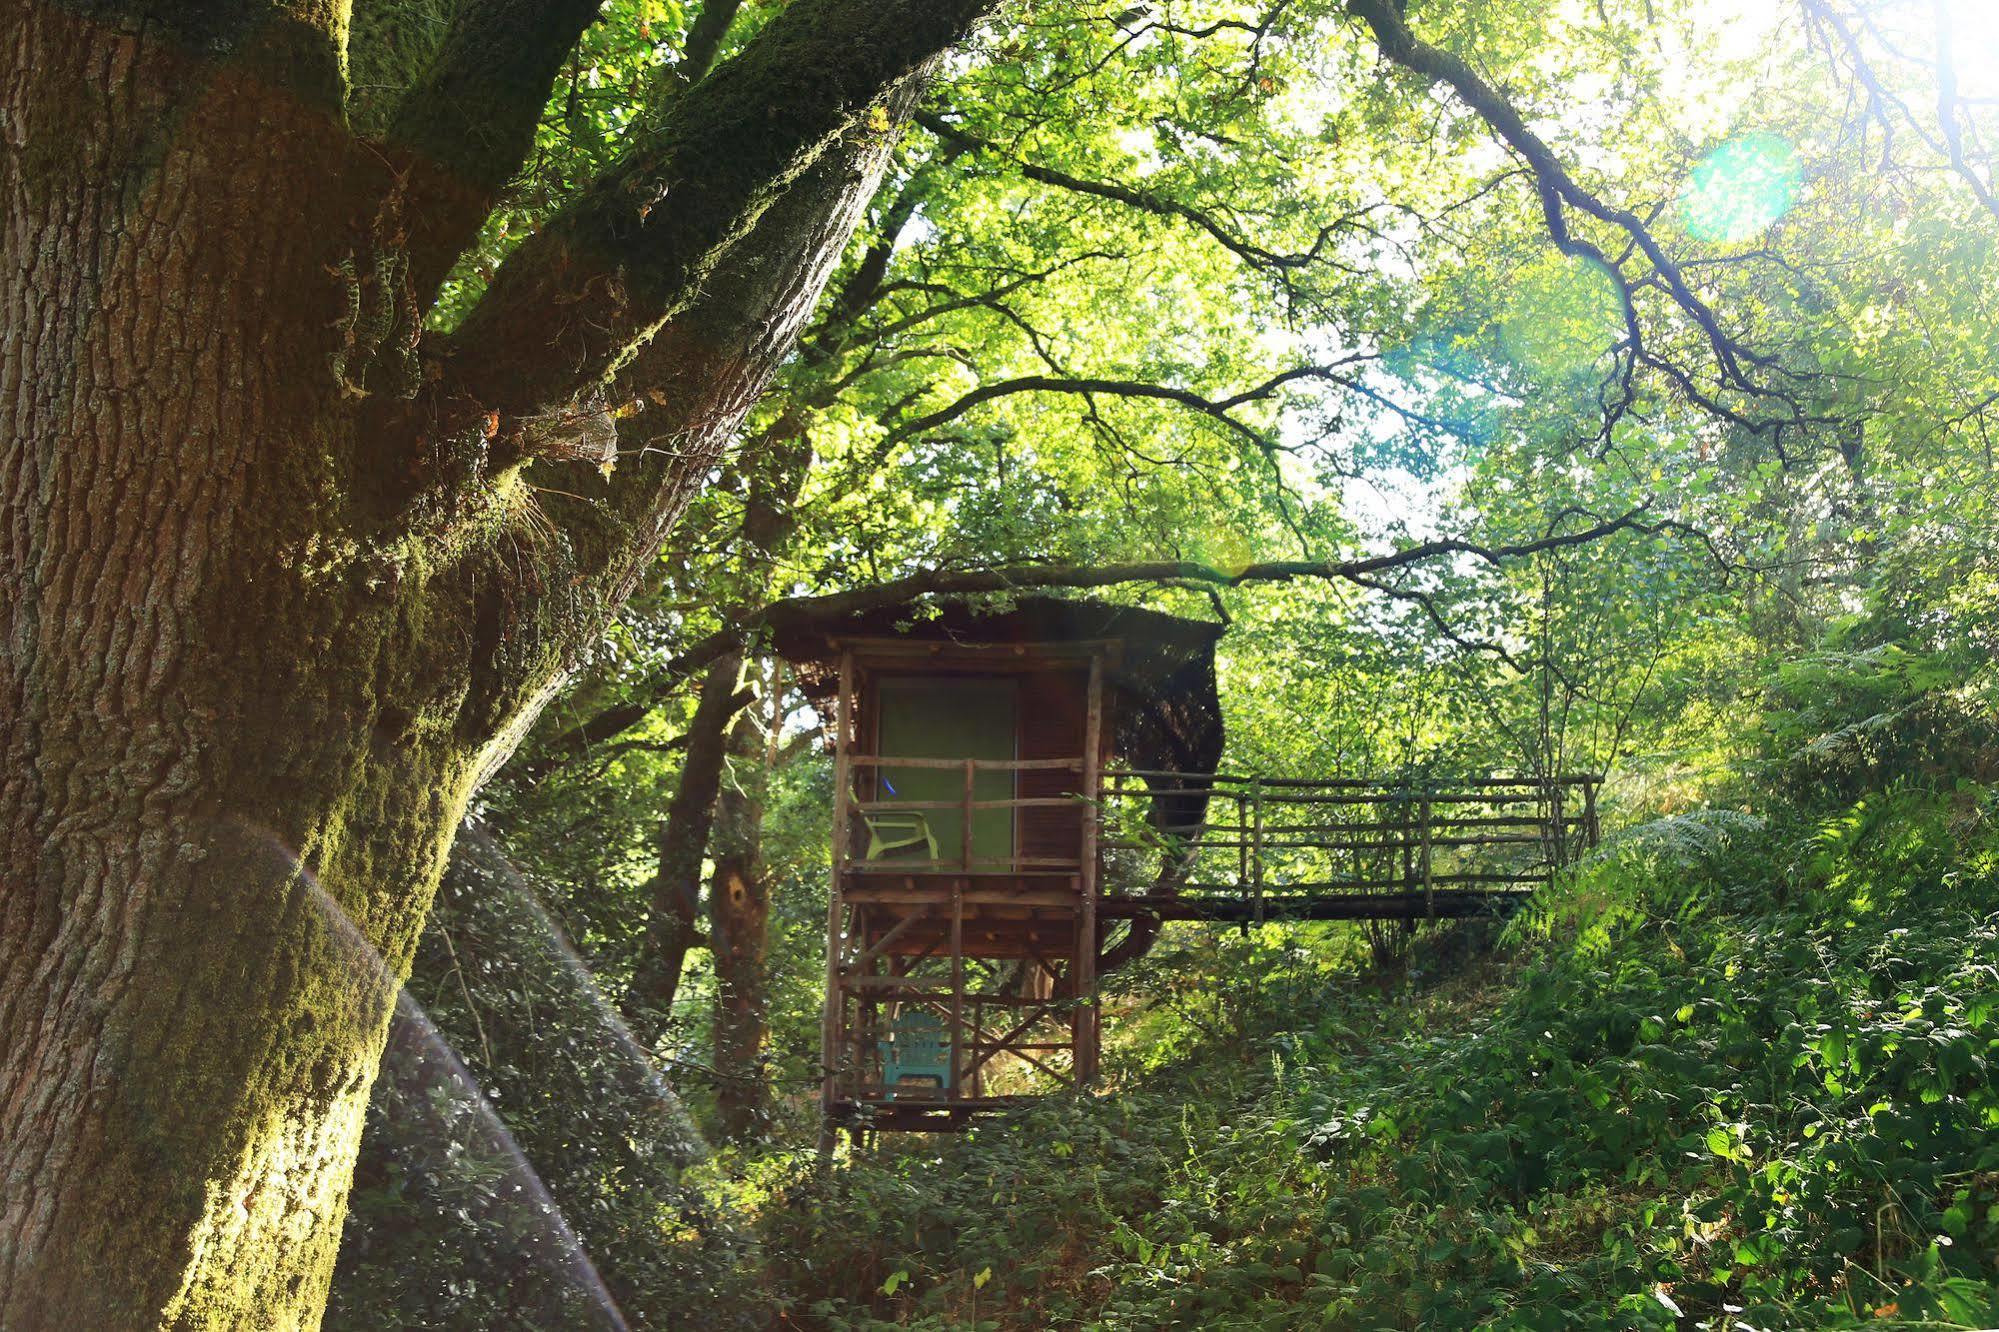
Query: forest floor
x,y
1737,1074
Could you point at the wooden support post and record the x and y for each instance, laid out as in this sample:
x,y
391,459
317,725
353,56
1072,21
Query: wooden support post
x,y
1241,841
830,1034
965,833
1408,846
1561,830
1429,877
1256,852
952,1092
1083,1028
976,1076
1590,830
1357,848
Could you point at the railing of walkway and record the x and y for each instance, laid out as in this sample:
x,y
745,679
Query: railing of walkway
x,y
1264,838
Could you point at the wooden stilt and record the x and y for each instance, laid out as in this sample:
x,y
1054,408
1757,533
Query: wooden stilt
x,y
1087,1009
830,1033
1429,879
954,1091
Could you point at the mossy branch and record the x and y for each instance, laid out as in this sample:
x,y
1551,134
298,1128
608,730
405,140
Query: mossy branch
x,y
467,123
576,302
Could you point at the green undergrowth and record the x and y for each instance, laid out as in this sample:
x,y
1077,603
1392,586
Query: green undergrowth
x,y
1738,1073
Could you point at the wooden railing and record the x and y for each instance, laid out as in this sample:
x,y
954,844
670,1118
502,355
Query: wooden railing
x,y
1259,837
848,839
1253,837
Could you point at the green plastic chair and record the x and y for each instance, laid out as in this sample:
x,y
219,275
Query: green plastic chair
x,y
916,1058
898,831
889,833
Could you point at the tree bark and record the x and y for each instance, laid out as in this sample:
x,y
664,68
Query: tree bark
x,y
673,916
219,814
738,928
263,627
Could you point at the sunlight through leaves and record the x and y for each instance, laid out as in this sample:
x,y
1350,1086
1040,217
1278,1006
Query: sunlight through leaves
x,y
1741,188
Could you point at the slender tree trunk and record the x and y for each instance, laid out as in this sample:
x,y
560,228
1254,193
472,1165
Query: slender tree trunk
x,y
772,480
674,914
250,672
739,926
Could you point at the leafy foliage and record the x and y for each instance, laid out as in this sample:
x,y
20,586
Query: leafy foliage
x,y
1774,1111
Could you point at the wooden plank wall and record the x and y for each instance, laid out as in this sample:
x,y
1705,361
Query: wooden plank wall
x,y
1051,711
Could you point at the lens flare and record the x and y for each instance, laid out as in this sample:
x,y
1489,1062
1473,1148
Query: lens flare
x,y
1741,188
474,841
426,1055
456,1111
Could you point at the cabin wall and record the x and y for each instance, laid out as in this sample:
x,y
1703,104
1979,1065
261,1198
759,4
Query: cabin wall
x,y
1053,708
951,717
1050,710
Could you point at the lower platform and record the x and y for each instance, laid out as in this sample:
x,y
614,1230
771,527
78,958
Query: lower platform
x,y
999,915
917,1116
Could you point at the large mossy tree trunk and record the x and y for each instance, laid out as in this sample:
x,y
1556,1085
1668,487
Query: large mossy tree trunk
x,y
282,577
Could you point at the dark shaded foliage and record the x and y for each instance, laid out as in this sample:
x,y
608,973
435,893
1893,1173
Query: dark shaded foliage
x,y
523,1160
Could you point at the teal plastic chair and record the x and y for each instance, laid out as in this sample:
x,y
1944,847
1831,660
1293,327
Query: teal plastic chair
x,y
916,1057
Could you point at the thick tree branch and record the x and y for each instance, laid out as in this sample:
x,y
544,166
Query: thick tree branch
x,y
754,303
864,286
1947,140
607,483
1250,252
704,39
635,249
769,472
1220,409
1947,111
1365,571
698,377
466,125
1559,190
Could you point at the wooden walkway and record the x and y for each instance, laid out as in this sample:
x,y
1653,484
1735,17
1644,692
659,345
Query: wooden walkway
x,y
1292,849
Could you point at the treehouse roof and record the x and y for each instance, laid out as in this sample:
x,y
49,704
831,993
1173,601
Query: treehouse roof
x,y
1159,673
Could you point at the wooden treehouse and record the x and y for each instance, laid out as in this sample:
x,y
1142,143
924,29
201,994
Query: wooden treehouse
x,y
1020,799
